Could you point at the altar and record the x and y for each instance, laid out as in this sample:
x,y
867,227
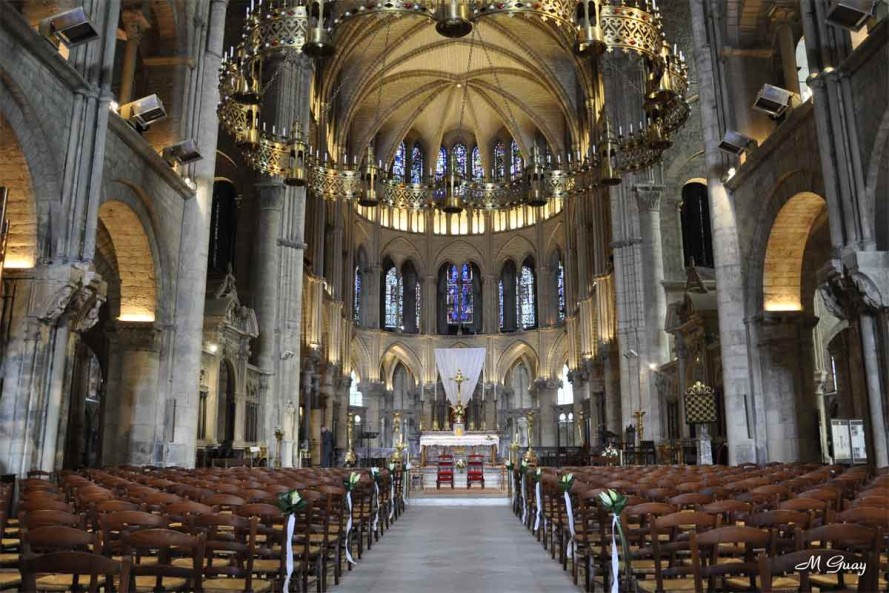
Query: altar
x,y
433,443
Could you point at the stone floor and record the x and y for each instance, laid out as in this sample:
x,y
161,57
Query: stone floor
x,y
443,549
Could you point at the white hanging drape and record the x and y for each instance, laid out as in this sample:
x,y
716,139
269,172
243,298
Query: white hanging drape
x,y
468,361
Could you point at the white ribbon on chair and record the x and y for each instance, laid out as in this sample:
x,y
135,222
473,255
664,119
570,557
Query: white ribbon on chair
x,y
615,564
376,502
405,485
391,495
524,502
291,525
349,528
539,507
569,510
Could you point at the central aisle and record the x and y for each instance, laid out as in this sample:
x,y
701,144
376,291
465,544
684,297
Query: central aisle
x,y
460,550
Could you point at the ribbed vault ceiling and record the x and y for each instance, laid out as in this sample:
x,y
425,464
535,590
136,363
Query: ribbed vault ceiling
x,y
397,77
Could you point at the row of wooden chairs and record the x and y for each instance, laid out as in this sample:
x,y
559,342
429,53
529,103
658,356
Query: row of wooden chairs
x,y
666,507
192,530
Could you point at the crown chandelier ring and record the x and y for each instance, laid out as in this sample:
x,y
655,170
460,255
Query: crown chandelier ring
x,y
287,27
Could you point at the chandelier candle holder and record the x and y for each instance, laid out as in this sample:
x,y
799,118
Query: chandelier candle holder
x,y
350,459
597,27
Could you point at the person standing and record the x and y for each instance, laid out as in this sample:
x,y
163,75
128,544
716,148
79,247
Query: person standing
x,y
326,447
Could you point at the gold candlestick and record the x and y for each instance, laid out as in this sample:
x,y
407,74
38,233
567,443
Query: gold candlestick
x,y
640,426
350,458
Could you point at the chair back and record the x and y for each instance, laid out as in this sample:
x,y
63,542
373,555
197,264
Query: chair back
x,y
77,564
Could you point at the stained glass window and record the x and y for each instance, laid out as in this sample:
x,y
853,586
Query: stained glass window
x,y
515,156
500,300
441,165
477,172
393,294
527,314
356,305
417,163
499,161
560,287
460,294
398,162
459,153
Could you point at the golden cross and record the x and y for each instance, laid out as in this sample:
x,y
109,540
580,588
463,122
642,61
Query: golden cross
x,y
459,378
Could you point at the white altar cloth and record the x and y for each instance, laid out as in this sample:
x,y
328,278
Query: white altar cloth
x,y
469,439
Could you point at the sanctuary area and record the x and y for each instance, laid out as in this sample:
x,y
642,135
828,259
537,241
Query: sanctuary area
x,y
444,295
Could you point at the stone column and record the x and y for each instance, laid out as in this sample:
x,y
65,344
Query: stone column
x,y
278,272
648,199
343,385
138,427
135,24
335,273
491,317
733,342
783,17
611,376
547,393
785,357
191,276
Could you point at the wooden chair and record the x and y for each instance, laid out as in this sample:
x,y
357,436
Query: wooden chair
x,y
445,471
842,536
671,543
475,470
228,562
270,535
75,564
58,538
782,525
33,519
165,545
736,569
802,564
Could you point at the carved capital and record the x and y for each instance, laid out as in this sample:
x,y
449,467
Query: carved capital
x,y
649,197
83,310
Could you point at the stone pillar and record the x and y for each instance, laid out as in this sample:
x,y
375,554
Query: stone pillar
x,y
611,376
265,297
783,17
279,255
201,124
135,24
491,317
648,199
138,426
733,341
785,357
335,273
547,394
343,385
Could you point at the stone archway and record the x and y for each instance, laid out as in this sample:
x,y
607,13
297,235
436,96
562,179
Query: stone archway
x,y
21,246
783,265
135,262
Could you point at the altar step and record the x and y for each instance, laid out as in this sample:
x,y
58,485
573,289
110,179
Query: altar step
x,y
464,501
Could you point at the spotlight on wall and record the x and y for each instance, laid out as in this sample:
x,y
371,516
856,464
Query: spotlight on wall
x,y
71,27
630,354
182,152
144,112
736,143
850,14
772,100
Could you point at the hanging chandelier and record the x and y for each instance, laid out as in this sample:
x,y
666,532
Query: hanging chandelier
x,y
596,26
